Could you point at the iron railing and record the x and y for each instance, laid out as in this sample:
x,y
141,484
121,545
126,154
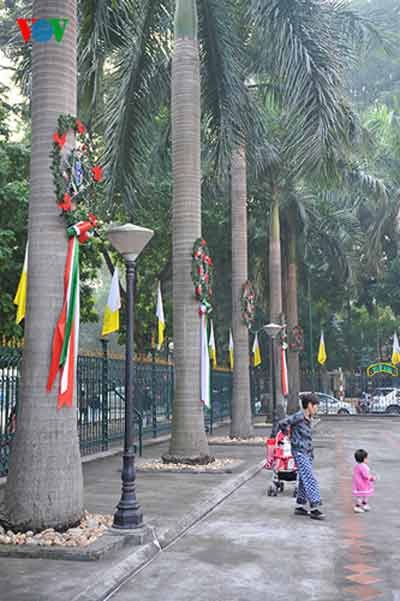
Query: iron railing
x,y
101,390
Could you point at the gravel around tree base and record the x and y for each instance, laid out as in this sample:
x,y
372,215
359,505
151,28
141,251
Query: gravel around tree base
x,y
217,466
92,526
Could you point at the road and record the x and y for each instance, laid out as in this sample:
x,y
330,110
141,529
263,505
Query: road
x,y
252,547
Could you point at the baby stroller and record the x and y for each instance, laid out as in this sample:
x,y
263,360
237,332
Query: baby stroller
x,y
279,459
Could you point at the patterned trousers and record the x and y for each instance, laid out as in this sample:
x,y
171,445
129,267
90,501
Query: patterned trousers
x,y
307,484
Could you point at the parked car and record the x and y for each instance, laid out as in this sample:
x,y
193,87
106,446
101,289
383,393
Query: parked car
x,y
329,405
385,400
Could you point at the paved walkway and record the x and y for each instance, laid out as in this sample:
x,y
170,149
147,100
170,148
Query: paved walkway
x,y
253,547
164,499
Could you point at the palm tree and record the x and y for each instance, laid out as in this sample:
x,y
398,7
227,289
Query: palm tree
x,y
292,312
302,69
241,425
44,486
140,82
275,278
188,439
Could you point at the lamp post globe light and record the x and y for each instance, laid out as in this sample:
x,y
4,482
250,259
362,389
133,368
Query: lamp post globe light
x,y
272,330
129,240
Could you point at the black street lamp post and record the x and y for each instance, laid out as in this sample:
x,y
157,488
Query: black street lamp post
x,y
129,240
272,330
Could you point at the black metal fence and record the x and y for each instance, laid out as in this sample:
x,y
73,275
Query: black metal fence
x,y
100,391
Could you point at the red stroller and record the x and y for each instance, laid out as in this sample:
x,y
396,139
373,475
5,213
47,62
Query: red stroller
x,y
280,460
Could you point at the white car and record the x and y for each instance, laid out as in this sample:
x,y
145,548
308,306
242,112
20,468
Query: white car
x,y
385,400
331,406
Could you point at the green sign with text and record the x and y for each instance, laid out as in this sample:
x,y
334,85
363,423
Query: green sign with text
x,y
382,368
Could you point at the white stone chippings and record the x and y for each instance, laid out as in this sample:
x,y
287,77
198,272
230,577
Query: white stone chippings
x,y
216,466
92,526
254,440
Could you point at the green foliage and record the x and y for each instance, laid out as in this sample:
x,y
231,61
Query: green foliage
x,y
275,74
14,167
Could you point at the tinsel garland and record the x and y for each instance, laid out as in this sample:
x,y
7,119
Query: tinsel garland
x,y
202,272
248,303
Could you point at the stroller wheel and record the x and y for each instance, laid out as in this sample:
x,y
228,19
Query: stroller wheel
x,y
271,491
281,486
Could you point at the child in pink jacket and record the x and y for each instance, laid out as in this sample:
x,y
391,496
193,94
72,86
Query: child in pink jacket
x,y
363,480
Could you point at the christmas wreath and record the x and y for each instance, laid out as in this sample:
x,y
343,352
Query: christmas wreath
x,y
296,339
76,176
202,272
248,303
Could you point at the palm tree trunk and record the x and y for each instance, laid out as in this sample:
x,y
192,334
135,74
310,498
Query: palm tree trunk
x,y
275,271
188,440
44,486
293,318
241,425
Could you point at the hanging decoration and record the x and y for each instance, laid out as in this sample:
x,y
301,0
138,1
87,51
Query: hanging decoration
x,y
296,339
202,272
76,175
248,303
66,334
202,277
76,178
204,358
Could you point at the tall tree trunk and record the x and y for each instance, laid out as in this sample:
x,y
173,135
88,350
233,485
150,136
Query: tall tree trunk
x,y
188,440
275,285
292,317
241,425
44,486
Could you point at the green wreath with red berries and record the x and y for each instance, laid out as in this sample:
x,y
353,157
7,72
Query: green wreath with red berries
x,y
202,272
296,339
76,175
248,303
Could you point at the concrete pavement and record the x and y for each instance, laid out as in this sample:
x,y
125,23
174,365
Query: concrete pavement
x,y
165,498
253,547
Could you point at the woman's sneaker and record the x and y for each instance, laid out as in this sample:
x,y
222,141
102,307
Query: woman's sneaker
x,y
301,511
366,507
316,514
359,509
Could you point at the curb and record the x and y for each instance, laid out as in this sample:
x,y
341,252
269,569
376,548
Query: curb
x,y
205,505
107,583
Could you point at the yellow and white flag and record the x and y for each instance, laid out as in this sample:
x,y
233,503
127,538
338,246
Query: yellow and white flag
x,y
256,352
160,318
20,297
111,313
322,356
231,351
211,345
396,350
204,359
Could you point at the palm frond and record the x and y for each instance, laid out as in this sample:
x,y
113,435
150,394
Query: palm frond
x,y
102,29
139,82
299,44
231,112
